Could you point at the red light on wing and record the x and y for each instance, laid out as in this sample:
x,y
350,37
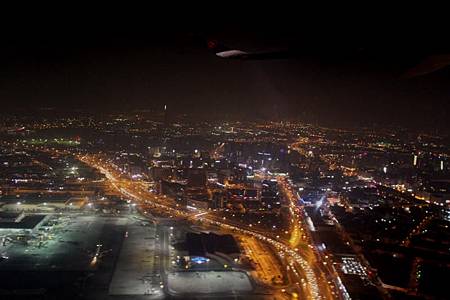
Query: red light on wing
x,y
212,44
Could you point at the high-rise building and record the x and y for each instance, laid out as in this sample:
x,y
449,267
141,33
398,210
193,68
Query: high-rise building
x,y
196,178
166,117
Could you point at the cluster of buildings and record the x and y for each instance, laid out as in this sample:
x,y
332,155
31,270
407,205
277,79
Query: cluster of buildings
x,y
384,192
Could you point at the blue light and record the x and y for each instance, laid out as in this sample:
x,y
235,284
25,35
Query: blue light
x,y
199,259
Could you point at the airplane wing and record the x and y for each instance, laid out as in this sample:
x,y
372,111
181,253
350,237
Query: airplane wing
x,y
223,51
430,64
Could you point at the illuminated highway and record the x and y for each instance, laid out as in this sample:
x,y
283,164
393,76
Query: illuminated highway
x,y
300,232
301,267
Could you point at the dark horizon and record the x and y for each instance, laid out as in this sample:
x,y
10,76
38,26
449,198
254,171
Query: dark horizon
x,y
340,76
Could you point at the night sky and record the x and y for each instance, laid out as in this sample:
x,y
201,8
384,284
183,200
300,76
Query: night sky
x,y
341,75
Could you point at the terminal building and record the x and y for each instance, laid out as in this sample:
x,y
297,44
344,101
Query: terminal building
x,y
40,203
201,246
20,223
